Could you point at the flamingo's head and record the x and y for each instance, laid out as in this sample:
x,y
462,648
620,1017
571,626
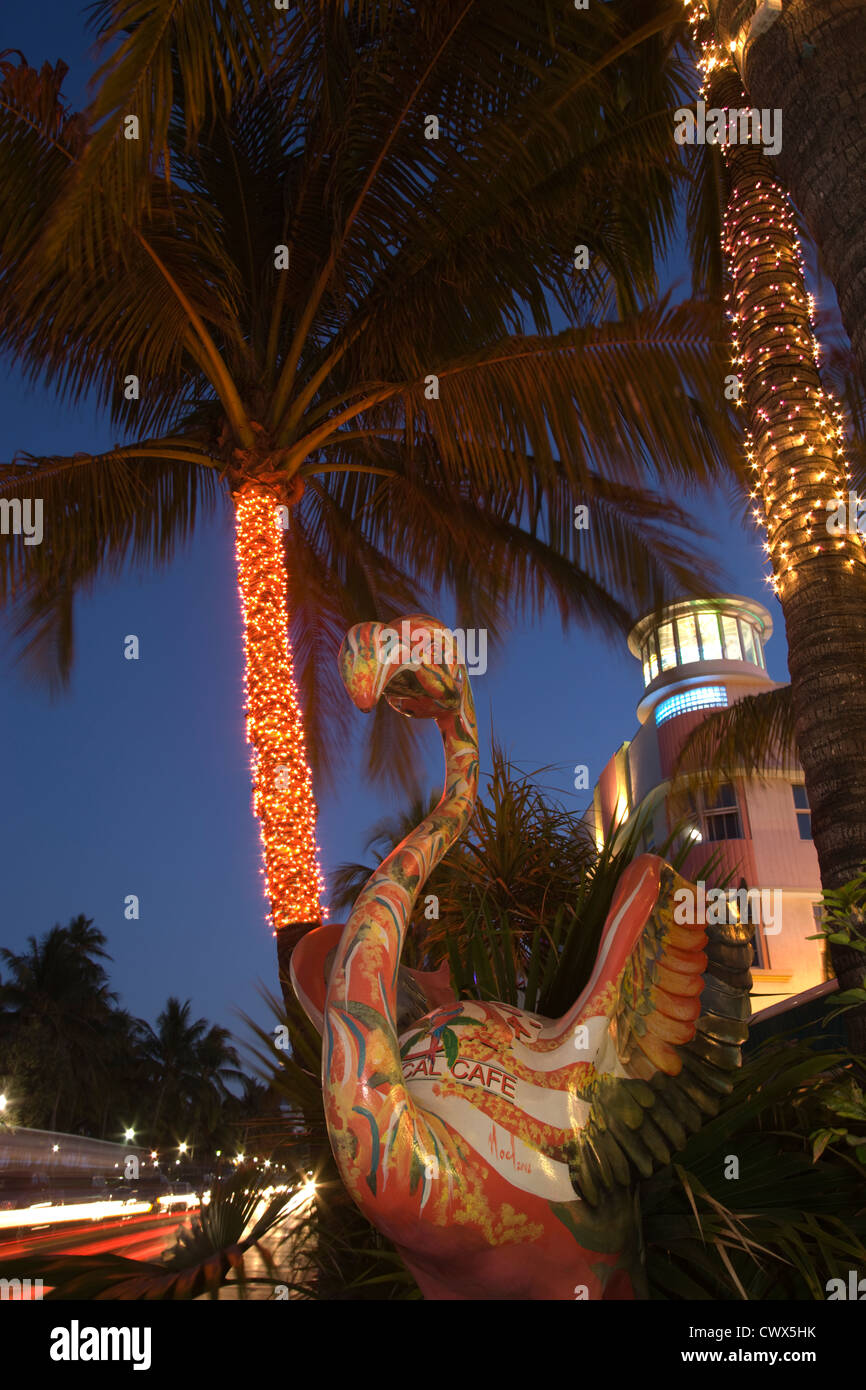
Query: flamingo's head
x,y
415,662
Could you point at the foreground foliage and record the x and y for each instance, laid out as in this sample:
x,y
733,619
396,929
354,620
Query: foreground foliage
x,y
782,1220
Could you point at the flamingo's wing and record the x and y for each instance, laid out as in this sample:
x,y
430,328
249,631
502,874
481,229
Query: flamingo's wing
x,y
676,997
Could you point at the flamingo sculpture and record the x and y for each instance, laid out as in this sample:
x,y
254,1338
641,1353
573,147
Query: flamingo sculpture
x,y
499,1150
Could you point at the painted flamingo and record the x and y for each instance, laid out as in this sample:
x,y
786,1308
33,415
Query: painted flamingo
x,y
497,1149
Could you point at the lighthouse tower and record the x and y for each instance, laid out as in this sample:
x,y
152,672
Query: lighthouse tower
x,y
698,656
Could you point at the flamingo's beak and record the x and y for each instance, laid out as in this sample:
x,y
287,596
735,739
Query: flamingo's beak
x,y
412,662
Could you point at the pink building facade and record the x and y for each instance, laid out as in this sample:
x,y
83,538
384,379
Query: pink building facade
x,y
698,656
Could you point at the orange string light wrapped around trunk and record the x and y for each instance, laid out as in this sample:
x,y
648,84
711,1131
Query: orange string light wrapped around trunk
x,y
282,782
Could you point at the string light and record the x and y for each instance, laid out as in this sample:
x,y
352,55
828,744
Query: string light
x,y
282,783
792,417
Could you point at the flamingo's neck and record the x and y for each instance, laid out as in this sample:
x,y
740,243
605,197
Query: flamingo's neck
x,y
365,970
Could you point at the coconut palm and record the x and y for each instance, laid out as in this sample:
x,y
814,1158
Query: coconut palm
x,y
797,437
319,260
57,1006
124,1078
217,1066
190,1064
809,61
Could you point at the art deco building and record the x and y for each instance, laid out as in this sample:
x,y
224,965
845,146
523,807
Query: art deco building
x,y
696,657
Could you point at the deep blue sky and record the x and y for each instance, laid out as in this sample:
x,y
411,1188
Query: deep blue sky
x,y
137,779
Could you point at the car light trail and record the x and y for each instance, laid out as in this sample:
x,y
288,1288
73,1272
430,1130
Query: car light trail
x,y
48,1214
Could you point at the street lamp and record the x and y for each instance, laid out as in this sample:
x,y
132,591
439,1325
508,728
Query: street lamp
x,y
182,1148
129,1135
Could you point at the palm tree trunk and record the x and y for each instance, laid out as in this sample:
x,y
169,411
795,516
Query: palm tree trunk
x,y
811,65
820,580
155,1120
282,783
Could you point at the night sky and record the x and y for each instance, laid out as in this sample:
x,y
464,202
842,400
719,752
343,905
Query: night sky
x,y
136,780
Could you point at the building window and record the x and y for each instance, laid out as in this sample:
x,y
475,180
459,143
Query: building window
x,y
760,959
703,697
733,650
760,956
748,637
722,816
701,636
711,642
650,660
667,646
804,815
649,657
688,640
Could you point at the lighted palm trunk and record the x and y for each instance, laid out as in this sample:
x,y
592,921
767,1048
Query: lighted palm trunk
x,y
810,63
282,783
799,467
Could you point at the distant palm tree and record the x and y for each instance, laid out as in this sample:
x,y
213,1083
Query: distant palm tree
x,y
190,1064
218,1066
316,259
57,1004
125,1077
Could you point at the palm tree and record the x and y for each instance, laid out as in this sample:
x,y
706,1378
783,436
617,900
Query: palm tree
x,y
809,61
796,450
218,1064
57,1005
125,1077
171,1053
190,1064
314,260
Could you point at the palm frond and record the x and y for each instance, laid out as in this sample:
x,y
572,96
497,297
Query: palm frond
x,y
785,1225
199,1262
306,128
704,215
753,738
99,513
630,399
159,56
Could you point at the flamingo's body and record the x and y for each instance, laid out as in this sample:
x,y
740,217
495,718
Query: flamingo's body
x,y
497,1149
